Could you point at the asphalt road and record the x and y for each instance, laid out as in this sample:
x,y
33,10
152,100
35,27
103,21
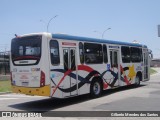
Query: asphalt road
x,y
143,98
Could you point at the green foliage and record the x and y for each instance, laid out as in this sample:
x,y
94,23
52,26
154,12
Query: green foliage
x,y
152,71
5,86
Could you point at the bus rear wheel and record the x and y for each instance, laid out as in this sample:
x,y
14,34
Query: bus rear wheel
x,y
95,88
137,81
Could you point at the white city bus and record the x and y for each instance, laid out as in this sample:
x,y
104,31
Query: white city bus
x,y
61,66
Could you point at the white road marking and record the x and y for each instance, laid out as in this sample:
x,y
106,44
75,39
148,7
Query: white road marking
x,y
7,98
16,96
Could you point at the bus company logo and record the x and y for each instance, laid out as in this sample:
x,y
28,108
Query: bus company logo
x,y
56,75
23,62
35,69
23,70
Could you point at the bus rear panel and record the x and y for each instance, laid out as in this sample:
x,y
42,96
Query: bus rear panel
x,y
27,76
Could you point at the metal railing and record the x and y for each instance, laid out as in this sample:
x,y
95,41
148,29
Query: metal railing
x,y
4,63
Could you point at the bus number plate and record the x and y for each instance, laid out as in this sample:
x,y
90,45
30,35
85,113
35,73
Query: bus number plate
x,y
25,83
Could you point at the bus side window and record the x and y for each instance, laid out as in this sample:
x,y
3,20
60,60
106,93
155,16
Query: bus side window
x,y
136,55
93,53
126,55
54,52
105,56
81,53
141,54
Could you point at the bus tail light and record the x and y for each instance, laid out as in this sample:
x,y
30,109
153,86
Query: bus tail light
x,y
42,79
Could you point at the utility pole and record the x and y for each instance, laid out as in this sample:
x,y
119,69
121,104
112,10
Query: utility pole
x,y
105,31
50,21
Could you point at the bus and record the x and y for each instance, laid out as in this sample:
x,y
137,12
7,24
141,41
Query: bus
x,y
61,66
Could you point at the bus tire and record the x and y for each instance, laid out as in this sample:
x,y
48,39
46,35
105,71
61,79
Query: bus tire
x,y
137,81
96,88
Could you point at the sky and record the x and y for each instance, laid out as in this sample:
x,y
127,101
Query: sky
x,y
129,20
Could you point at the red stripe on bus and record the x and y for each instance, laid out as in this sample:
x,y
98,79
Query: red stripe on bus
x,y
125,77
80,67
65,74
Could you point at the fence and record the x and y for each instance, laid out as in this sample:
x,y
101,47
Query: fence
x,y
4,63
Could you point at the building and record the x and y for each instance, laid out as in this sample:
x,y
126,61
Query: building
x,y
155,63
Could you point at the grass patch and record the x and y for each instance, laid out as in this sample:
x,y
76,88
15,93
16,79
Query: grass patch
x,y
5,85
152,71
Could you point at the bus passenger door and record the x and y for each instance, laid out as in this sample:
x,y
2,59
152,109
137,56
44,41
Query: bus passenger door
x,y
115,68
146,65
70,67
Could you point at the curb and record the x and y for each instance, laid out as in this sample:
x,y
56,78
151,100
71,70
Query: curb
x,y
2,93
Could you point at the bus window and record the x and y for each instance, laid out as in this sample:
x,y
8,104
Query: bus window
x,y
73,62
141,54
26,48
114,58
93,53
54,49
66,58
105,56
136,55
20,50
125,51
81,53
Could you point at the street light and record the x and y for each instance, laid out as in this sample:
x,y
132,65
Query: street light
x,y
50,21
105,31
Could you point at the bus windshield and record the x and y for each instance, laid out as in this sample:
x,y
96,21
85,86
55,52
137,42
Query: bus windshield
x,y
26,48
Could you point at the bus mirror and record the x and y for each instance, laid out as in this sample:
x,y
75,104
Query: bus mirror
x,y
150,54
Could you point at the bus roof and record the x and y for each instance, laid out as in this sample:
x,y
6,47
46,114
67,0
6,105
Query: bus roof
x,y
86,39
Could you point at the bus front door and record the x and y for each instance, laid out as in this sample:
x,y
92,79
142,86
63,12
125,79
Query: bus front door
x,y
146,65
115,68
70,67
